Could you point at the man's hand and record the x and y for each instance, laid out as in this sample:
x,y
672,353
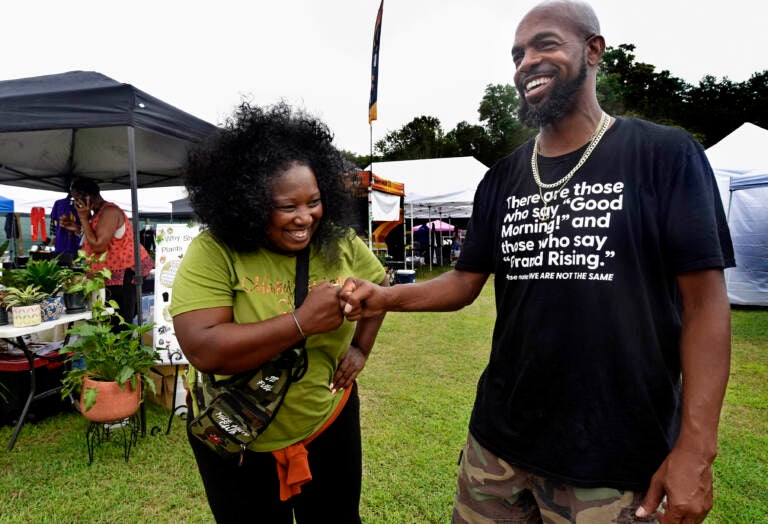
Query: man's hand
x,y
350,365
362,299
685,477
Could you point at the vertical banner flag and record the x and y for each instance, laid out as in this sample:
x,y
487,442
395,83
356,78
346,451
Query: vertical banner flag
x,y
375,66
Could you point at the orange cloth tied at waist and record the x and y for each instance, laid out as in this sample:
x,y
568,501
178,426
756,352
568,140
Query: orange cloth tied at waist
x,y
292,464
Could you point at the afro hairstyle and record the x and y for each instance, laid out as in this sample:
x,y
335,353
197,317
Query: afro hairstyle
x,y
230,177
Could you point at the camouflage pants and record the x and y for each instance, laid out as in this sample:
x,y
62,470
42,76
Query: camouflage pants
x,y
490,490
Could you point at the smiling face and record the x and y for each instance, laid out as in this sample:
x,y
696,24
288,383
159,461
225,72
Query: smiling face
x,y
550,57
296,209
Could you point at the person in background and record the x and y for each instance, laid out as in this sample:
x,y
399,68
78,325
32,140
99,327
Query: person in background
x,y
269,186
455,247
106,229
611,348
65,241
147,238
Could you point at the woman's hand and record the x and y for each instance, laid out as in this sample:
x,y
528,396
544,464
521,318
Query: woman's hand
x,y
320,311
83,207
70,224
351,364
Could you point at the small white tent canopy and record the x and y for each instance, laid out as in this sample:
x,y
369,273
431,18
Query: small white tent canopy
x,y
740,163
151,200
435,187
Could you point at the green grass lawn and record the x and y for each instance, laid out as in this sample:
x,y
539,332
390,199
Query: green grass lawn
x,y
416,392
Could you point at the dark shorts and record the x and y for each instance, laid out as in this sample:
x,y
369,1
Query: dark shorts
x,y
490,490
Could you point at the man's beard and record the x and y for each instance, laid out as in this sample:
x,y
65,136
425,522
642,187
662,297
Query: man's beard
x,y
554,107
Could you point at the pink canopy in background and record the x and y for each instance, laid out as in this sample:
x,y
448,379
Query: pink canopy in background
x,y
436,225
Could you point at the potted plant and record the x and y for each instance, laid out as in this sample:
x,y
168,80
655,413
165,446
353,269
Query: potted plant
x,y
81,285
48,276
74,294
116,365
24,304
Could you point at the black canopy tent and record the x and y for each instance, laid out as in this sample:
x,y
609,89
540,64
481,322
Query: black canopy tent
x,y
82,123
181,207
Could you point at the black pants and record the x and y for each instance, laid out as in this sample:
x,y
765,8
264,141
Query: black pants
x,y
251,492
125,296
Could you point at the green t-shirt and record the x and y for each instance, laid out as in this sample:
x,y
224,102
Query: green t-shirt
x,y
259,286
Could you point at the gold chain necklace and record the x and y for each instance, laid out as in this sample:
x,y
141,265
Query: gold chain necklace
x,y
600,130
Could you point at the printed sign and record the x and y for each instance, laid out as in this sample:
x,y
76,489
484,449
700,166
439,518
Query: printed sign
x,y
171,243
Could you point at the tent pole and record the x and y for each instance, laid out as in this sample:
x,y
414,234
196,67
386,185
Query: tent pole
x,y
135,219
370,216
730,201
430,234
370,188
405,231
136,256
440,242
413,254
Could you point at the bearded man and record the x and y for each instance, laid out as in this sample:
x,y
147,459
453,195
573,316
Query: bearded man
x,y
610,353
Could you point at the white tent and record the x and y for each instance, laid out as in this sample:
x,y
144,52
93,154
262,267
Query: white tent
x,y
740,163
153,200
435,187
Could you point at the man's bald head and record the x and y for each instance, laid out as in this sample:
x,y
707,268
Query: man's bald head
x,y
557,49
579,15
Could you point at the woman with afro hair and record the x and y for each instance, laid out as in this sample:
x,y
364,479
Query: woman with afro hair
x,y
268,186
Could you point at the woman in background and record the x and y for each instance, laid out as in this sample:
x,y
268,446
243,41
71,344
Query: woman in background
x,y
107,229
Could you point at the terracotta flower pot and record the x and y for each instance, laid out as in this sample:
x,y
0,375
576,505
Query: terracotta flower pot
x,y
112,402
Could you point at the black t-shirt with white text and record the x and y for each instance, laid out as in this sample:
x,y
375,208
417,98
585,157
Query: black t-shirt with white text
x,y
583,383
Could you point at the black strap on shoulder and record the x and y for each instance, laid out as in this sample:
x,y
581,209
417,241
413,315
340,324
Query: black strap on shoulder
x,y
301,288
302,277
300,293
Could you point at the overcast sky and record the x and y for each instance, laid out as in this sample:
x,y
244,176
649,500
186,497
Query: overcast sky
x,y
436,58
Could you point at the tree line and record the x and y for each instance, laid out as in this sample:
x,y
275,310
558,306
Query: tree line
x,y
709,111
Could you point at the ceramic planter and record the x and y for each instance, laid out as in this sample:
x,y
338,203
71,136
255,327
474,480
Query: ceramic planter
x,y
52,308
99,295
75,302
112,402
26,315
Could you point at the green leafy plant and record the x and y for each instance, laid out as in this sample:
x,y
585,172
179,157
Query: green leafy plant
x,y
27,296
47,275
109,356
74,280
83,278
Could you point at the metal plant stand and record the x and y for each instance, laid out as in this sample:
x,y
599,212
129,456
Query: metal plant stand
x,y
100,432
181,408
